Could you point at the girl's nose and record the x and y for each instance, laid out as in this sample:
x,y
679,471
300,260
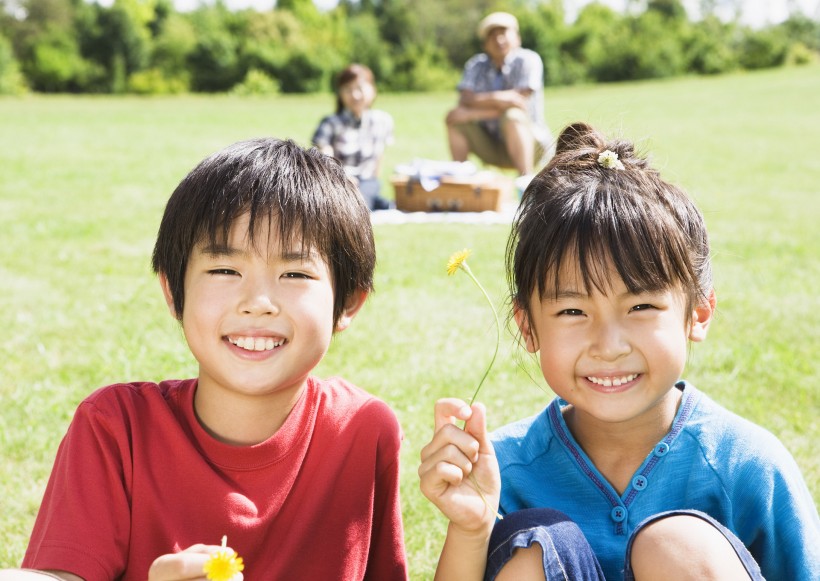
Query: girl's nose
x,y
610,342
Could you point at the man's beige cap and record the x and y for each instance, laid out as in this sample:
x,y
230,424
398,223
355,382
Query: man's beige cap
x,y
496,20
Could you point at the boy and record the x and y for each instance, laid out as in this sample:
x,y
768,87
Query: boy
x,y
265,250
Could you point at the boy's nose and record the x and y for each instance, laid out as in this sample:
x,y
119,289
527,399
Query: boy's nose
x,y
259,300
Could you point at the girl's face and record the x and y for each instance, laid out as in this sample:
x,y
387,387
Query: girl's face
x,y
357,96
616,356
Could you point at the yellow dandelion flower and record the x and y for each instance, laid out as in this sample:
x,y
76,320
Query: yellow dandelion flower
x,y
457,260
224,565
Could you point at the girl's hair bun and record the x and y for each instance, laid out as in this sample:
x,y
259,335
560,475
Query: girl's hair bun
x,y
579,145
578,136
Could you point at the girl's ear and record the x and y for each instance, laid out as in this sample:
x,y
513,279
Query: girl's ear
x,y
352,306
701,317
522,319
169,297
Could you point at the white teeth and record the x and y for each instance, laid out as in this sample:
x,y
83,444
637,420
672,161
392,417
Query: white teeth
x,y
612,381
255,343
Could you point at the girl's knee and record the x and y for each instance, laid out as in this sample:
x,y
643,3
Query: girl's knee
x,y
685,547
526,564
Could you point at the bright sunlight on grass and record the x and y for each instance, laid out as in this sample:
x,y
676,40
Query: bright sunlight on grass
x,y
83,182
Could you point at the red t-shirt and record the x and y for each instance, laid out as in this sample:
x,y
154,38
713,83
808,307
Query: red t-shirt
x,y
137,476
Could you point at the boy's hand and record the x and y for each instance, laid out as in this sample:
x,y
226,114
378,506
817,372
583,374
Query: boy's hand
x,y
451,457
183,566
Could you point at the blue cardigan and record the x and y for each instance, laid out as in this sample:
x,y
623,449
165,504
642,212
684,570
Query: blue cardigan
x,y
711,460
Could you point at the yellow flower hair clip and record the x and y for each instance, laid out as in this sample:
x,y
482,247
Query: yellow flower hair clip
x,y
609,159
224,565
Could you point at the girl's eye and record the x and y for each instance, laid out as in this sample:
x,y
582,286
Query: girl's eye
x,y
642,307
295,275
571,312
223,271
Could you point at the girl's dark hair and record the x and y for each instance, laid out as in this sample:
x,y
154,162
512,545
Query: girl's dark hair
x,y
353,72
576,208
306,194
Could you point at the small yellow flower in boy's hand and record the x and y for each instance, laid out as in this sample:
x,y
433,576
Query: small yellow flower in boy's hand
x,y
456,260
224,565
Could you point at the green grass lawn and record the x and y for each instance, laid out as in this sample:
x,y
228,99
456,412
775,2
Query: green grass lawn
x,y
83,182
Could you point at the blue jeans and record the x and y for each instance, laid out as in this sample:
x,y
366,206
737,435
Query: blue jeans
x,y
567,554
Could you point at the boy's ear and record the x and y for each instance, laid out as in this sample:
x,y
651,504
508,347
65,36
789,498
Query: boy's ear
x,y
166,292
701,317
524,325
354,303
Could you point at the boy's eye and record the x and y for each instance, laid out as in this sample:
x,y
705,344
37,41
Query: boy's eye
x,y
571,312
223,271
295,275
642,307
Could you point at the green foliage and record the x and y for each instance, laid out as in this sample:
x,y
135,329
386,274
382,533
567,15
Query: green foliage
x,y
155,82
56,65
173,45
256,83
422,68
11,80
708,48
304,72
411,45
799,54
762,49
214,60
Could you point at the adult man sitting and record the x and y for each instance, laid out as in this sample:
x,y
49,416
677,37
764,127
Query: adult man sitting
x,y
499,116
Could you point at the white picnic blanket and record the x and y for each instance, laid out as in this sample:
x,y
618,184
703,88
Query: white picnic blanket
x,y
505,216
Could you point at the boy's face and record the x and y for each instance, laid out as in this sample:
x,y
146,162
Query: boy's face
x,y
613,356
257,320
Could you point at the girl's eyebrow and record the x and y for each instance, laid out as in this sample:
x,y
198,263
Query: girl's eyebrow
x,y
569,294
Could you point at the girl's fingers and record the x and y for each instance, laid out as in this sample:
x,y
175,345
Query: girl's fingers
x,y
449,454
450,436
449,410
477,427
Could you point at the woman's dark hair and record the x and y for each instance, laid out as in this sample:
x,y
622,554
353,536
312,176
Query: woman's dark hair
x,y
306,194
353,72
583,209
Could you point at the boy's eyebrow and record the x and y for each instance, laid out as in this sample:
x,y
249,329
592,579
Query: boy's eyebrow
x,y
219,249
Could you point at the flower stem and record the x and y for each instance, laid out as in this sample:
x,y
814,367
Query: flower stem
x,y
469,272
464,266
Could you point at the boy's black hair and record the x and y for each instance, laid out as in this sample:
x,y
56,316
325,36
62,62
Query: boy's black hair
x,y
304,192
577,208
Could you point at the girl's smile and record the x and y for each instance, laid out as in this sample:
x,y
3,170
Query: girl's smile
x,y
613,384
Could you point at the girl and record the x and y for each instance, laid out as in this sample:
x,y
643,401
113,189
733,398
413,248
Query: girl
x,y
357,135
629,473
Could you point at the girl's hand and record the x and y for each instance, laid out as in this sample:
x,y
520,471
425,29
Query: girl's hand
x,y
451,457
183,566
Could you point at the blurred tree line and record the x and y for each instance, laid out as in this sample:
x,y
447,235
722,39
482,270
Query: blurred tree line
x,y
148,47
